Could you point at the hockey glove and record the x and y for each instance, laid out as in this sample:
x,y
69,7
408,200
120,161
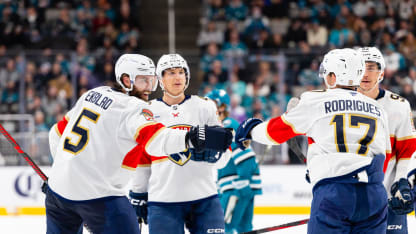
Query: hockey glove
x,y
139,203
242,136
207,155
209,137
401,202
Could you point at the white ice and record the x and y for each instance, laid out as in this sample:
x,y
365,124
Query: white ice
x,y
37,224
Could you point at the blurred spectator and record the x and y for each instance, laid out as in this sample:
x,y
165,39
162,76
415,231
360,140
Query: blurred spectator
x,y
217,71
216,10
309,78
210,34
295,34
254,24
235,50
40,125
236,10
361,7
263,44
236,86
9,98
340,34
394,61
100,21
276,8
408,92
211,55
8,73
316,35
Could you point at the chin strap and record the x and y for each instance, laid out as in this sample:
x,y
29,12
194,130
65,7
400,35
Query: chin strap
x,y
170,95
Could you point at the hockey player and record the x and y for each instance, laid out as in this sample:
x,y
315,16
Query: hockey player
x,y
196,205
402,138
94,148
348,139
239,181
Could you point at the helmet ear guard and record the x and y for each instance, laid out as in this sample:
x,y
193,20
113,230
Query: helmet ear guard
x,y
134,65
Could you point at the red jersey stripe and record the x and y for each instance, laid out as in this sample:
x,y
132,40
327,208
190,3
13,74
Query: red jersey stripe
x,y
279,130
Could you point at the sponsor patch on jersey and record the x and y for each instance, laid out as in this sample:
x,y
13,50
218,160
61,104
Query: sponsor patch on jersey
x,y
148,115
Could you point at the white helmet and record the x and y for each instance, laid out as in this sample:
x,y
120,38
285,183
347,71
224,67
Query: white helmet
x,y
172,61
347,64
134,65
372,54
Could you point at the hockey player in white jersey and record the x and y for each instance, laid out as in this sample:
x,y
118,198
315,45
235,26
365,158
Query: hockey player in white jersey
x,y
348,140
94,148
402,138
184,194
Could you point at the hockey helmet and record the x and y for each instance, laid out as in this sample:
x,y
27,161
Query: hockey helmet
x,y
134,65
220,96
347,64
372,54
172,61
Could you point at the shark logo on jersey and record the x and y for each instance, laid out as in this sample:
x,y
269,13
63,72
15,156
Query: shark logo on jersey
x,y
183,157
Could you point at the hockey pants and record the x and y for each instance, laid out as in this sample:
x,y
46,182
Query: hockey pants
x,y
110,215
200,217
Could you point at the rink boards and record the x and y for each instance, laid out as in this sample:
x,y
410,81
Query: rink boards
x,y
285,191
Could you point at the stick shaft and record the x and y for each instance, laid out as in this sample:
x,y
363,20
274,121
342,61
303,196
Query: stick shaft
x,y
22,153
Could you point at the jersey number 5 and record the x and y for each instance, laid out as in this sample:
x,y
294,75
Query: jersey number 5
x,y
355,121
81,131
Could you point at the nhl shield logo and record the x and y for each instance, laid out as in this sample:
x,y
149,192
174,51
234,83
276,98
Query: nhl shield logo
x,y
180,158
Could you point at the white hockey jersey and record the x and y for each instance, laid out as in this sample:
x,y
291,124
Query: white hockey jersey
x,y
345,130
402,136
97,141
186,180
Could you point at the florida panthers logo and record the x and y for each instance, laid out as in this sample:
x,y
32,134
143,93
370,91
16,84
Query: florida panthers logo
x,y
147,114
180,158
183,157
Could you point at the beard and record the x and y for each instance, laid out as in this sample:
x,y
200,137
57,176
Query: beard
x,y
144,95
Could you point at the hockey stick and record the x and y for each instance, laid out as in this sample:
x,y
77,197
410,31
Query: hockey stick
x,y
23,154
294,146
278,227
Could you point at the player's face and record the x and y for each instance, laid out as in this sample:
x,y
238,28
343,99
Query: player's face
x,y
372,73
143,86
174,80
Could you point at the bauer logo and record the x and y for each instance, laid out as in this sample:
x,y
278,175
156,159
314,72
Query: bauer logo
x,y
28,185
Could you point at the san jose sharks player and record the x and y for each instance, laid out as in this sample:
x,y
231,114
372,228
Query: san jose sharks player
x,y
348,140
94,148
184,194
239,181
402,138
